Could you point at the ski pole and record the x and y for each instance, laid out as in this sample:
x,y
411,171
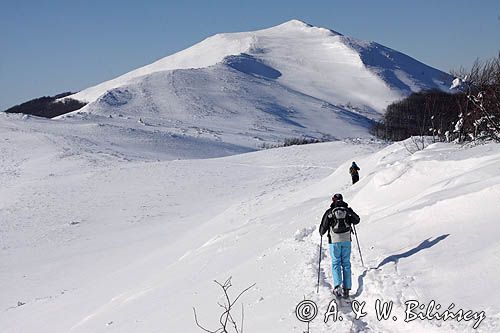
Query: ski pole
x,y
319,263
359,248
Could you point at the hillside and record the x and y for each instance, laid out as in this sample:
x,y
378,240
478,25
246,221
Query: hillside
x,y
249,89
314,61
101,242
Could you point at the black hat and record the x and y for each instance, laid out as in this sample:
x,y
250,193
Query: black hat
x,y
337,196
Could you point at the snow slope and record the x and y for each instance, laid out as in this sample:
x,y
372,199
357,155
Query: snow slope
x,y
95,238
314,61
222,104
293,80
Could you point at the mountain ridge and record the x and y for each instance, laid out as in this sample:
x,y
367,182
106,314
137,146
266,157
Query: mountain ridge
x,y
259,88
346,50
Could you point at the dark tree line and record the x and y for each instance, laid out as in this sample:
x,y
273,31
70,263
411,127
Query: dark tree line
x,y
421,114
470,111
47,106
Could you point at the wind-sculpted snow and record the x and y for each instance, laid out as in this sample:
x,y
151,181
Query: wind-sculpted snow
x,y
397,69
238,102
116,97
95,238
250,65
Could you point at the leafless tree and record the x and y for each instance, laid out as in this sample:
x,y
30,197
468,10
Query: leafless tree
x,y
481,84
226,319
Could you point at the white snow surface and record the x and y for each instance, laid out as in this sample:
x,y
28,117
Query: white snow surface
x,y
100,233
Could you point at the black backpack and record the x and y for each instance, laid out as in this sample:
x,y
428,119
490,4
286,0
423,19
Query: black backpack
x,y
339,218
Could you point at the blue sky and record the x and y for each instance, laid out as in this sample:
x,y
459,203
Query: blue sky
x,y
47,47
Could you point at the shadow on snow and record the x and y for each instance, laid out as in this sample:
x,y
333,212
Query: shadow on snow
x,y
396,257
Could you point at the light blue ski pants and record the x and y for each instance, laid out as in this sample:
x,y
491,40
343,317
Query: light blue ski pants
x,y
341,264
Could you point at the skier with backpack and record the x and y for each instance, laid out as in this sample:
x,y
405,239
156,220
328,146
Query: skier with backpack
x,y
337,222
353,170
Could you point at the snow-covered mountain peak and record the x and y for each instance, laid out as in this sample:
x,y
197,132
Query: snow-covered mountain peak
x,y
293,23
297,26
316,61
252,88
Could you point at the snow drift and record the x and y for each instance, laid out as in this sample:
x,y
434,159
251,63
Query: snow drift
x,y
100,242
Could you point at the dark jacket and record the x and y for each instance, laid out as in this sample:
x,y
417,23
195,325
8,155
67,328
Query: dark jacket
x,y
326,221
353,170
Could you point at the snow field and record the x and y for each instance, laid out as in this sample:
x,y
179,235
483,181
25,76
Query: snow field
x,y
100,241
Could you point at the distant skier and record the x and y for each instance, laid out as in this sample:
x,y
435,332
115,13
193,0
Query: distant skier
x,y
353,170
337,222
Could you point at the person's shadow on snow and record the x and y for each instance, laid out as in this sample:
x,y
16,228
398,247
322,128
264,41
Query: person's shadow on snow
x,y
395,258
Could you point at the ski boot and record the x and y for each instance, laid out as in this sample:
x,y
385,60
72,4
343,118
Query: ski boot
x,y
345,292
337,291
